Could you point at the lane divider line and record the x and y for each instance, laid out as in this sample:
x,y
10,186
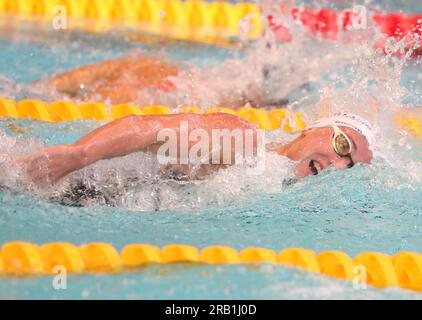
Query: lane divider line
x,y
404,269
59,111
214,22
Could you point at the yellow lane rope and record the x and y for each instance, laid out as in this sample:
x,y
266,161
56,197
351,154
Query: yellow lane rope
x,y
404,269
58,111
194,20
409,120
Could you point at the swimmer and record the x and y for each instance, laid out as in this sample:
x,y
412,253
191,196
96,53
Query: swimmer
x,y
120,81
340,141
147,80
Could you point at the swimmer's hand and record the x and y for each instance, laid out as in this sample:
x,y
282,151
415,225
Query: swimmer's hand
x,y
48,165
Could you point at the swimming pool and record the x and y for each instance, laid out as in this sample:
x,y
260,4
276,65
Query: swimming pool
x,y
374,208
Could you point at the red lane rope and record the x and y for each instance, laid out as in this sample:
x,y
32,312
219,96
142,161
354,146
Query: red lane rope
x,y
328,23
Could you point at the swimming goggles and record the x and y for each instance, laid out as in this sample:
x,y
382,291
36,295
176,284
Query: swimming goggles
x,y
342,145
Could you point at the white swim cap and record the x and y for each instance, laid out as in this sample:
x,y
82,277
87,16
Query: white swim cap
x,y
352,121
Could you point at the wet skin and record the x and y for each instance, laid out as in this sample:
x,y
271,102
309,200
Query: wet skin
x,y
120,81
139,79
316,145
139,133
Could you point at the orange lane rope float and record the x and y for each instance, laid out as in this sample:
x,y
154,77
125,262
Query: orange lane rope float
x,y
409,120
207,21
185,20
59,111
404,269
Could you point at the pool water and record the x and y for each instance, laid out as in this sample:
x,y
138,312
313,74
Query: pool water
x,y
367,208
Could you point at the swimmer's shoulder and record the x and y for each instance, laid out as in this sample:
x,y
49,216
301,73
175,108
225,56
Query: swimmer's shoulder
x,y
229,120
211,120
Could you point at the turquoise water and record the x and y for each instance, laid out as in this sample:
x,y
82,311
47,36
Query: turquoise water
x,y
201,282
18,56
375,208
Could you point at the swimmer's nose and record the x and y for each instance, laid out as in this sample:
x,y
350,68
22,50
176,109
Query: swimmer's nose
x,y
339,163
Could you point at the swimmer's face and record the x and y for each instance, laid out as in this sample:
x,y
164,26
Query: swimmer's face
x,y
314,151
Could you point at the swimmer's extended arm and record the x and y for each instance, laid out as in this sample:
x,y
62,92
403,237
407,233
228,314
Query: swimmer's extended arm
x,y
106,79
70,82
117,139
123,137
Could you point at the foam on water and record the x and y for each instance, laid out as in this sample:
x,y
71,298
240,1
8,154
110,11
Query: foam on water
x,y
368,208
136,182
360,81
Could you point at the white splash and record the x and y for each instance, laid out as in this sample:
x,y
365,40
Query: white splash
x,y
360,81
